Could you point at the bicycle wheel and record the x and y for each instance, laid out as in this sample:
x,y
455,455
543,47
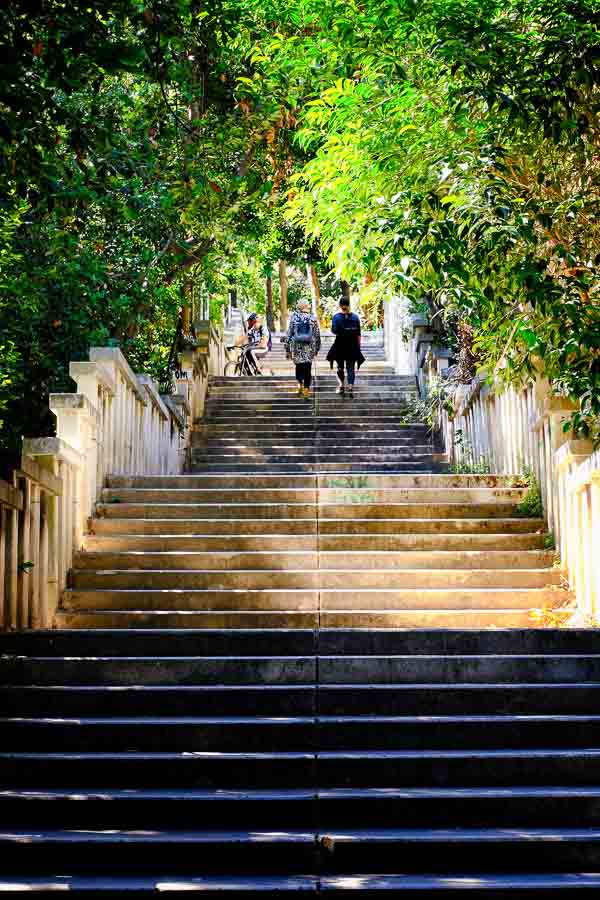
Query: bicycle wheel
x,y
231,369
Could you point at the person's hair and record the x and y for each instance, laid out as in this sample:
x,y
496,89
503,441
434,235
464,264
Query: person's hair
x,y
344,302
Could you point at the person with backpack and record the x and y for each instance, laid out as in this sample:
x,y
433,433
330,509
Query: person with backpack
x,y
304,342
345,351
257,340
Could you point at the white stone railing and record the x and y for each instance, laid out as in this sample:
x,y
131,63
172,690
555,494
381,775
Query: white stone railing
x,y
515,430
116,423
511,430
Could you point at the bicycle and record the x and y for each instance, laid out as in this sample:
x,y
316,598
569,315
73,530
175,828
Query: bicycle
x,y
243,366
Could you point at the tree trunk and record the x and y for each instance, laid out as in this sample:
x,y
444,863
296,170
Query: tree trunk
x,y
466,358
345,290
315,290
283,296
269,305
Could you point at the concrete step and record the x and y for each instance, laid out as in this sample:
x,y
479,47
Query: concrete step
x,y
222,642
135,769
310,542
388,511
168,851
316,444
359,619
319,468
300,700
306,559
277,481
399,768
496,527
341,808
378,600
311,494
152,700
270,734
423,887
149,600
463,850
311,579
138,670
340,642
200,526
371,669
166,808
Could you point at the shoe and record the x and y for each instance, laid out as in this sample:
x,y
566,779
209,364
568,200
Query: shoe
x,y
340,389
300,390
306,393
351,392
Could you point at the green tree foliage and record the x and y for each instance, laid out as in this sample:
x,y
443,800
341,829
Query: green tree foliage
x,y
454,157
447,149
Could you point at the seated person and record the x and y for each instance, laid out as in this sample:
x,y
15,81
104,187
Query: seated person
x,y
256,339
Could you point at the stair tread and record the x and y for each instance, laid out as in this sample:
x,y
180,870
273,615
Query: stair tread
x,y
457,835
151,721
154,836
253,794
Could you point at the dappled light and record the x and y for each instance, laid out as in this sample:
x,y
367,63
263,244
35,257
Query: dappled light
x,y
300,448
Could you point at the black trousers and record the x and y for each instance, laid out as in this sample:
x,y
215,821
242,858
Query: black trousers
x,y
304,373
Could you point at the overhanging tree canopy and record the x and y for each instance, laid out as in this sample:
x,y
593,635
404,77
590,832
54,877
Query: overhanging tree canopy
x,y
446,149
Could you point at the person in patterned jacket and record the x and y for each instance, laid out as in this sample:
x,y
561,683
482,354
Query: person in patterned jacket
x,y
304,342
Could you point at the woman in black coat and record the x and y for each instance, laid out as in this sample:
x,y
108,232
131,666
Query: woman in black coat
x,y
345,350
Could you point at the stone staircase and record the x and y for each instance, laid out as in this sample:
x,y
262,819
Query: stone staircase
x,y
269,676
306,551
372,345
413,764
261,424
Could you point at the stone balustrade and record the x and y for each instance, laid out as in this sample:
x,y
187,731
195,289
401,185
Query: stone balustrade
x,y
514,430
117,422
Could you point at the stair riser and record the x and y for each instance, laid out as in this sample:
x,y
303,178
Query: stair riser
x,y
199,620
183,771
47,643
297,736
306,510
199,526
340,542
461,770
493,601
343,481
243,447
466,529
308,560
301,700
299,812
267,700
415,618
228,814
309,494
168,857
467,857
253,579
307,455
277,670
192,600
164,671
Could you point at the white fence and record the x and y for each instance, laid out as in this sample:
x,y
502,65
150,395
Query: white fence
x,y
515,430
116,423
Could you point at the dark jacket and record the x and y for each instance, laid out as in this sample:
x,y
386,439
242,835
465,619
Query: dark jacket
x,y
346,347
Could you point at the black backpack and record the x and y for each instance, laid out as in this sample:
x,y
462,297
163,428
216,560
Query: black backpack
x,y
303,331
